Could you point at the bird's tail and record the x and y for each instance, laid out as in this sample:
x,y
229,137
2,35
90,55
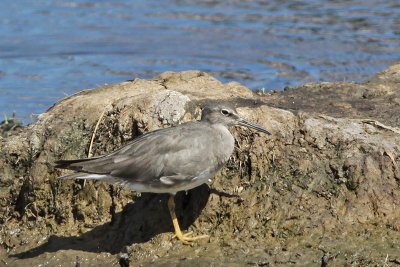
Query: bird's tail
x,y
72,164
77,165
68,164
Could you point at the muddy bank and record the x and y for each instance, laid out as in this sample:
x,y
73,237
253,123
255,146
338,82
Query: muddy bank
x,y
323,189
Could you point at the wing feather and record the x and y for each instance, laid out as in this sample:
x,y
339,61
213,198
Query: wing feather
x,y
180,151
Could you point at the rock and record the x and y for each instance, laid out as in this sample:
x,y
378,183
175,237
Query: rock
x,y
327,178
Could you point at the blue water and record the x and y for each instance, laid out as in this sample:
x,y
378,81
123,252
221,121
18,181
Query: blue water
x,y
50,49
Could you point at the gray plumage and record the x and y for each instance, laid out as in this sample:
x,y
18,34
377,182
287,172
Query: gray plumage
x,y
167,160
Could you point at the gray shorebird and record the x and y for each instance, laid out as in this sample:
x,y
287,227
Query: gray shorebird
x,y
168,160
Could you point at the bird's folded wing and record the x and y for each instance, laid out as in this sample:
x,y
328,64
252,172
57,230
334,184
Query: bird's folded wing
x,y
166,152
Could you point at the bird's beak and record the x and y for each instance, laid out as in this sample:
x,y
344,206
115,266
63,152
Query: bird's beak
x,y
246,123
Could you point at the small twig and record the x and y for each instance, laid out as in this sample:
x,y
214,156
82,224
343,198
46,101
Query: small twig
x,y
223,194
377,124
386,260
5,119
28,210
90,154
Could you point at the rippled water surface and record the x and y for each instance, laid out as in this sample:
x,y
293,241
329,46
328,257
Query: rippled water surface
x,y
50,49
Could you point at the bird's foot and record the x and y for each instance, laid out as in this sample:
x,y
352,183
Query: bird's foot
x,y
188,238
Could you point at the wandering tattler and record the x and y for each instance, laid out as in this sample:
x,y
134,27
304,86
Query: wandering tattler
x,y
168,160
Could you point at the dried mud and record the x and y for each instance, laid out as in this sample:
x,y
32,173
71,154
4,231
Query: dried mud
x,y
322,190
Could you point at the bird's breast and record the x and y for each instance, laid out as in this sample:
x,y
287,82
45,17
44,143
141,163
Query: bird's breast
x,y
223,144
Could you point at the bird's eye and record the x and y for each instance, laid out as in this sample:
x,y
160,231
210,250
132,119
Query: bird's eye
x,y
225,112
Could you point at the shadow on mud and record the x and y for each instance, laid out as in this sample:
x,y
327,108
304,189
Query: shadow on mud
x,y
140,221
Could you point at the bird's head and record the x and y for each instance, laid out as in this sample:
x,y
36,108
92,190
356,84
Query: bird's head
x,y
228,116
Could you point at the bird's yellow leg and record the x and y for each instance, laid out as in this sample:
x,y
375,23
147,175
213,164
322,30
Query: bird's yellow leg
x,y
187,238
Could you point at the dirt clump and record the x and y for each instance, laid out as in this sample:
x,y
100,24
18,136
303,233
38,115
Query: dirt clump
x,y
323,189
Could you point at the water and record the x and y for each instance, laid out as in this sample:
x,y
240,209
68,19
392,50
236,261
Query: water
x,y
50,49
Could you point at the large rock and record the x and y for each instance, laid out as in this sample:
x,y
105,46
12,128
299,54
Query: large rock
x,y
323,188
